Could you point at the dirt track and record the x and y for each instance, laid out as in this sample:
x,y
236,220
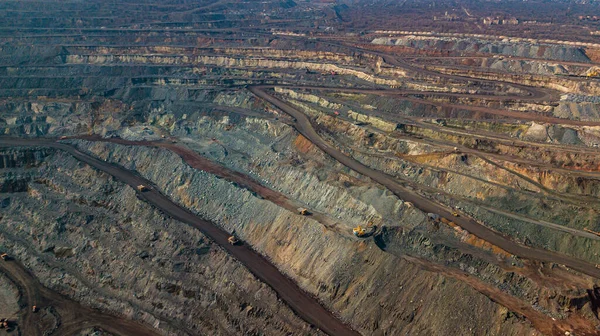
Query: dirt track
x,y
304,127
73,316
199,162
299,301
541,322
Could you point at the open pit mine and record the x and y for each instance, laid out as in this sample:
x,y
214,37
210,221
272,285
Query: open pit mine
x,y
299,167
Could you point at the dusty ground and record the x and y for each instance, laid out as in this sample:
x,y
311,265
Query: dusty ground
x,y
467,148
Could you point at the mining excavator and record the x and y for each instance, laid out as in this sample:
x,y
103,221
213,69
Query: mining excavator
x,y
593,72
360,231
4,256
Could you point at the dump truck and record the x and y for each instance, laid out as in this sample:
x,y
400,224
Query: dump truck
x,y
303,211
233,240
455,214
34,309
64,137
142,188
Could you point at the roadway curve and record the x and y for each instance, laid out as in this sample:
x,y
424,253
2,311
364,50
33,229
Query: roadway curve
x,y
73,316
303,304
304,127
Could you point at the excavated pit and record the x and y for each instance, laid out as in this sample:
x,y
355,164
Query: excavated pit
x,y
207,101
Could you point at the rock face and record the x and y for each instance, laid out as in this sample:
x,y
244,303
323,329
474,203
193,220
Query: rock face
x,y
322,261
471,45
363,283
96,242
522,66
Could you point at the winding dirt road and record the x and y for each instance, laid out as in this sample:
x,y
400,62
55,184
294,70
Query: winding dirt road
x,y
303,304
73,316
304,127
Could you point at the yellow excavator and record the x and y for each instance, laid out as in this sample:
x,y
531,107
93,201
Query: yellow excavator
x,y
359,231
593,72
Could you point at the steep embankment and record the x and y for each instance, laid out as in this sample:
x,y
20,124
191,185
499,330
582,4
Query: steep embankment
x,y
472,45
87,236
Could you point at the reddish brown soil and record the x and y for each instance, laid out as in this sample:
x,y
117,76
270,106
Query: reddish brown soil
x,y
73,316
